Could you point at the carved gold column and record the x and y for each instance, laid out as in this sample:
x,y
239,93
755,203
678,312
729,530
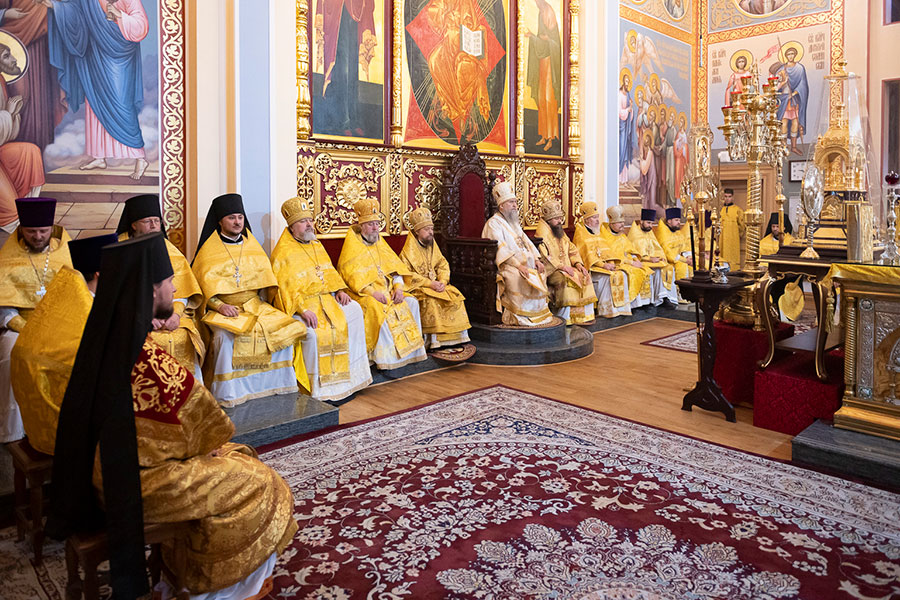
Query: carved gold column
x,y
304,104
397,74
574,82
850,344
520,81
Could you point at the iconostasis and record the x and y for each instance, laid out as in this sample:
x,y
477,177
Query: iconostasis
x,y
390,89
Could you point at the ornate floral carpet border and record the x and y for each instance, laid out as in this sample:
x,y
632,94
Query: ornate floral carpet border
x,y
503,494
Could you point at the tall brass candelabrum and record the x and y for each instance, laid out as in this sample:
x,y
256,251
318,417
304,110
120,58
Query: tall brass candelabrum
x,y
753,133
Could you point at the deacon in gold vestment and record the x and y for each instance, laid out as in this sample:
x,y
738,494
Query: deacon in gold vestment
x,y
522,292
572,296
43,356
444,318
179,334
731,219
653,256
628,256
251,354
676,243
610,282
374,274
335,359
29,260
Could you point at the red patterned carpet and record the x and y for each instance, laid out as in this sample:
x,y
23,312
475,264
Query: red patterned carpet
x,y
503,494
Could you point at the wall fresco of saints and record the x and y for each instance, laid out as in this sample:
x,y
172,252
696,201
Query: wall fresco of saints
x,y
653,112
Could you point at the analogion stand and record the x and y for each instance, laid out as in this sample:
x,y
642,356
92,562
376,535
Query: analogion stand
x,y
707,394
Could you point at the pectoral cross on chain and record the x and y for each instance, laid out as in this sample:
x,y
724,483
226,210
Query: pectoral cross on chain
x,y
237,276
40,293
319,273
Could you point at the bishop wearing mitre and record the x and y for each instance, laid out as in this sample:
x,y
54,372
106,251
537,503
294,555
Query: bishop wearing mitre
x,y
251,354
29,260
335,359
444,318
653,256
522,292
178,335
572,296
374,274
610,282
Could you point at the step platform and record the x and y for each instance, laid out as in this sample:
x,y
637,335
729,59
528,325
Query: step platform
x,y
275,418
507,345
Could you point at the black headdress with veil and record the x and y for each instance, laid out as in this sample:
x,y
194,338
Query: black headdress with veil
x,y
98,409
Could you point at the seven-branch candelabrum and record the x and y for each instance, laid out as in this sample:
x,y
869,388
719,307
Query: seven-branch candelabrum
x,y
753,133
891,256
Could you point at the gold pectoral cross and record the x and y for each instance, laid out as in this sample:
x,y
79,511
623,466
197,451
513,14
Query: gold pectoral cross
x,y
319,274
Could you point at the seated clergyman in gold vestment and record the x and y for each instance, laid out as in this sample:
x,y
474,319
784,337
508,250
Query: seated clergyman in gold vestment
x,y
179,334
629,259
522,293
43,356
335,359
676,243
610,281
29,260
444,318
374,275
653,256
251,353
572,296
155,445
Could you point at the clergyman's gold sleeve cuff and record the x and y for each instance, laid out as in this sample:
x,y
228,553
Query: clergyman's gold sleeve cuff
x,y
16,323
214,303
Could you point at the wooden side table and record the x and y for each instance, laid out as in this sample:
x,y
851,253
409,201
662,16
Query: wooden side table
x,y
707,394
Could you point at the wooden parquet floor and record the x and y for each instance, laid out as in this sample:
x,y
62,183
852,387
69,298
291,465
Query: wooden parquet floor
x,y
622,378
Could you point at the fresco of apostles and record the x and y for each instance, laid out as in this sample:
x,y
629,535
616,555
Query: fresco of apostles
x,y
653,128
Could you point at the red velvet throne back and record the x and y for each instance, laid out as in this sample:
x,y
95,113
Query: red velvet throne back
x,y
465,205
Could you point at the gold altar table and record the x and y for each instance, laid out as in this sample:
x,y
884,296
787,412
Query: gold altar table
x,y
870,300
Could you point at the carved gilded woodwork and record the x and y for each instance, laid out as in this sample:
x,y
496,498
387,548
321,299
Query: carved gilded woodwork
x,y
540,186
172,119
574,82
341,180
871,320
304,100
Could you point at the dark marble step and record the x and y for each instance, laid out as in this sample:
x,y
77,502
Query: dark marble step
x,y
641,314
869,458
275,418
576,343
519,336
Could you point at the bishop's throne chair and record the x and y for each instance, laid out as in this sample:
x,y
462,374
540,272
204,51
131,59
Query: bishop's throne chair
x,y
465,206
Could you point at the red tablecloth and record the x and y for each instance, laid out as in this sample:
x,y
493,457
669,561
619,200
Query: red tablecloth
x,y
789,397
738,350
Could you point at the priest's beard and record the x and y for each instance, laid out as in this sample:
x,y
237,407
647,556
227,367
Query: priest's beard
x,y
370,238
558,232
33,249
164,311
308,236
511,216
647,228
426,242
591,229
